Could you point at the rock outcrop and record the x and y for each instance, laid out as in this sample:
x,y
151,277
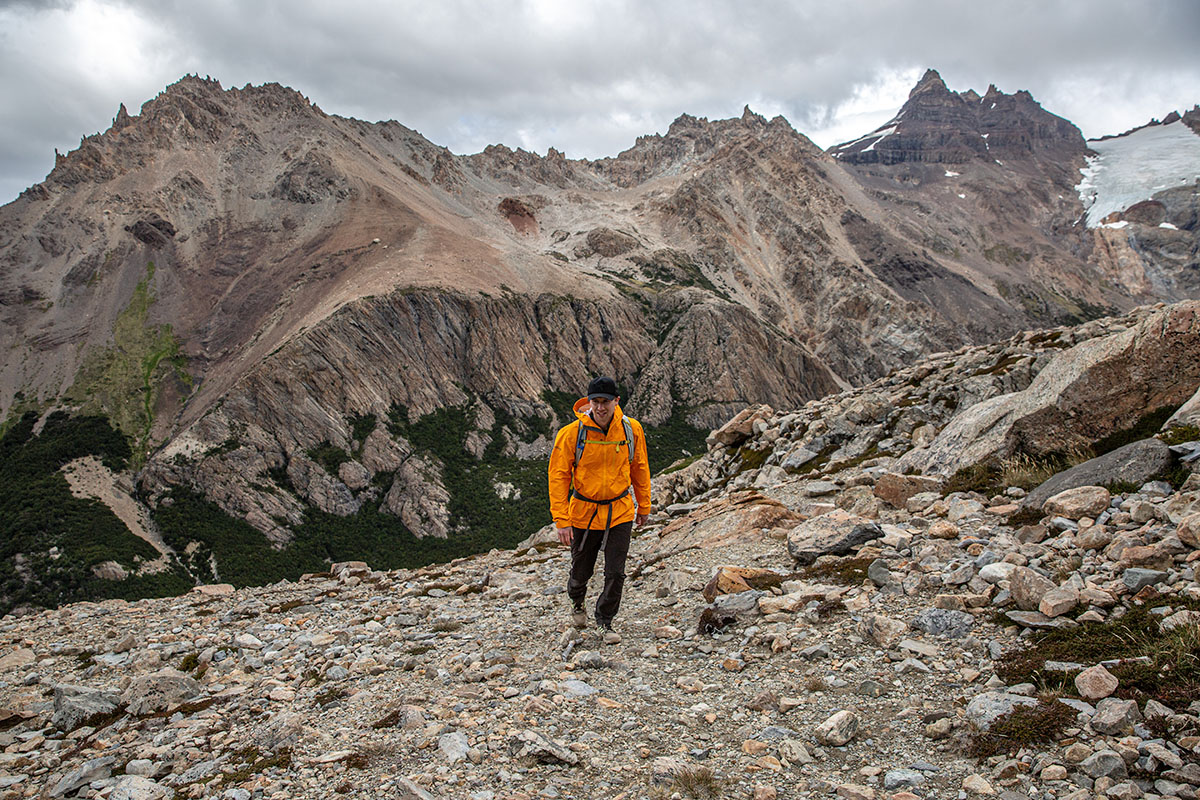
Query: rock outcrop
x,y
1083,394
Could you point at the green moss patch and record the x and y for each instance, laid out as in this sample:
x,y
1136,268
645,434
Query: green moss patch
x,y
1180,434
1144,428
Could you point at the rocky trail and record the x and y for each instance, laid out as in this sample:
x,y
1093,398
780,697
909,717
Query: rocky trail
x,y
802,619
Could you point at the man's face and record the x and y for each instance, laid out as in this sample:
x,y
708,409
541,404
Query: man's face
x,y
602,409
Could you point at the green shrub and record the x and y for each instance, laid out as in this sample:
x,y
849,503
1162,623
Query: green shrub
x,y
329,456
1144,428
1171,675
1023,726
57,538
361,426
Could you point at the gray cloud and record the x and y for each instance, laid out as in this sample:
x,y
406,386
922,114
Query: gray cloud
x,y
585,77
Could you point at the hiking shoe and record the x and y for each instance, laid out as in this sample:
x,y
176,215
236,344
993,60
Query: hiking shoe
x,y
578,616
610,636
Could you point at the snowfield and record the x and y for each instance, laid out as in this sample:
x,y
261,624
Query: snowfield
x,y
1132,168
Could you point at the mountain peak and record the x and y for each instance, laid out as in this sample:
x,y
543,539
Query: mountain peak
x,y
931,81
937,125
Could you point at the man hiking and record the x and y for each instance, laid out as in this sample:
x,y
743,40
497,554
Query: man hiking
x,y
599,486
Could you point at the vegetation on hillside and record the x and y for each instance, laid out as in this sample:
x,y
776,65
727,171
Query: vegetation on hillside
x,y
123,382
49,539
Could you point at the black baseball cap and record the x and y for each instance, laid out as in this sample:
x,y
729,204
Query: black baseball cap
x,y
603,386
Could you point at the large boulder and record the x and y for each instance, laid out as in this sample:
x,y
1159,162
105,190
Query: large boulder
x,y
1135,463
741,427
1095,388
837,533
741,516
159,691
1077,503
79,705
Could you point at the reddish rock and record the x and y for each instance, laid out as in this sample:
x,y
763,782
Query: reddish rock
x,y
1096,683
1189,530
1028,588
739,429
895,489
731,580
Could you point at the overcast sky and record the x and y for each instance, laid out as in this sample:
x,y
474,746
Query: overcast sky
x,y
585,77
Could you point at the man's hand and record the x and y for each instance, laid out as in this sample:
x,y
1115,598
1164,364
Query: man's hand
x,y
565,535
641,519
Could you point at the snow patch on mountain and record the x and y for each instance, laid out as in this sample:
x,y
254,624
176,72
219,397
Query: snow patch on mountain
x,y
1135,167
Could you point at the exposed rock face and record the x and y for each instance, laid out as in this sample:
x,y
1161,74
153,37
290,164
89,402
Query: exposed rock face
x,y
418,498
1110,381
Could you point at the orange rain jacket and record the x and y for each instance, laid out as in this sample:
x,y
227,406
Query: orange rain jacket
x,y
604,472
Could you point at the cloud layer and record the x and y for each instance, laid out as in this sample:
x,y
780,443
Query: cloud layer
x,y
584,77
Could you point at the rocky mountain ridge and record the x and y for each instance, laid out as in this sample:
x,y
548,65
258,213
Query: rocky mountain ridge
x,y
802,618
267,299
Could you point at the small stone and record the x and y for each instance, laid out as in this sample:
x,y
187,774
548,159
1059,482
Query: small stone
x,y
1058,601
976,784
1188,530
453,746
1028,588
943,529
794,751
884,630
951,602
1116,717
1077,753
1138,578
999,571
943,622
1126,790
248,641
853,791
17,659
903,779
939,729
1096,683
838,730
1054,772
878,572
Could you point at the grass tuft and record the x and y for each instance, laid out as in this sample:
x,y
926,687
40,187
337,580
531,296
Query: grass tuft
x,y
698,783
1024,725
